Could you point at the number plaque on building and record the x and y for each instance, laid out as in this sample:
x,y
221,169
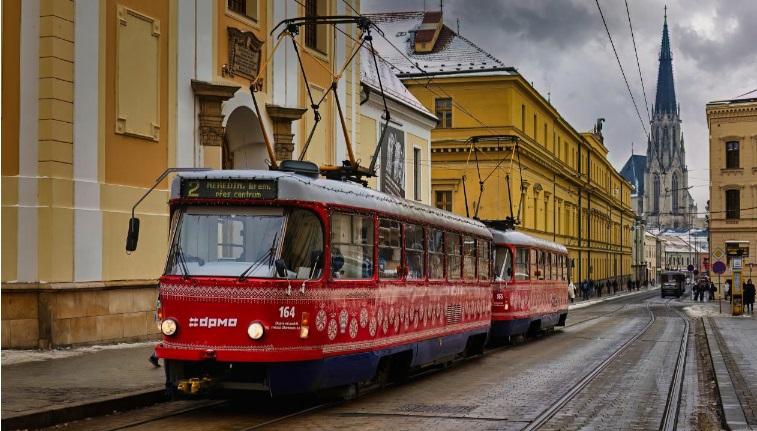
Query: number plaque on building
x,y
244,53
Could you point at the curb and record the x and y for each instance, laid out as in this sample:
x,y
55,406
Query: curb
x,y
734,415
590,302
56,415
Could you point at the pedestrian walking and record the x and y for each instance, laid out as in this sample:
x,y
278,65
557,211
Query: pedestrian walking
x,y
585,289
713,289
572,292
599,289
727,289
749,292
614,286
629,285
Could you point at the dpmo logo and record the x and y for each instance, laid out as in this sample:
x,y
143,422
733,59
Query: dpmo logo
x,y
212,322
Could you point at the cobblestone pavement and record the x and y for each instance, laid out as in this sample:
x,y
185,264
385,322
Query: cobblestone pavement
x,y
33,386
699,408
737,339
631,393
505,389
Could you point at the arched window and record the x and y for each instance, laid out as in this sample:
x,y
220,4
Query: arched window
x,y
656,195
674,190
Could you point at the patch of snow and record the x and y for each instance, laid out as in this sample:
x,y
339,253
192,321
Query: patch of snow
x,y
10,356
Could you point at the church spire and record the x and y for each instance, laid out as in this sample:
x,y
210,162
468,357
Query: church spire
x,y
665,101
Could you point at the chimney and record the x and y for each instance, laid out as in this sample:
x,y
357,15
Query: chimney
x,y
428,32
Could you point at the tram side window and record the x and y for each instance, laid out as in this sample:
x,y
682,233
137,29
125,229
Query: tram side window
x,y
435,254
414,252
553,268
521,263
503,264
453,256
390,248
351,246
302,250
483,259
469,258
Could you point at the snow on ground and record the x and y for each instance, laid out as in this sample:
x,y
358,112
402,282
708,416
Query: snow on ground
x,y
10,357
707,309
604,298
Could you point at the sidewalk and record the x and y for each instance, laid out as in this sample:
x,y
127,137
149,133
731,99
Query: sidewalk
x,y
596,300
732,341
44,387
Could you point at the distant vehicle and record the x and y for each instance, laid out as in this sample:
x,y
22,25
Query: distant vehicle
x,y
672,283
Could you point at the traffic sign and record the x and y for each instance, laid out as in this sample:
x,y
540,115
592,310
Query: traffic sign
x,y
690,268
718,253
718,267
736,263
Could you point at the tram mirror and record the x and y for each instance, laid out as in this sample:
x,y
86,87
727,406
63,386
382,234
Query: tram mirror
x,y
133,236
281,268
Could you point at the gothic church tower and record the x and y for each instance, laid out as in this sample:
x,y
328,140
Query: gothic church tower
x,y
667,202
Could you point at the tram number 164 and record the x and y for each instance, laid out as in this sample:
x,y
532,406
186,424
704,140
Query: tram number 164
x,y
286,312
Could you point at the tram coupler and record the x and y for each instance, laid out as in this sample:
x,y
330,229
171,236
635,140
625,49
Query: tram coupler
x,y
195,385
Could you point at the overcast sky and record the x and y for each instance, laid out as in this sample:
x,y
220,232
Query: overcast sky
x,y
562,47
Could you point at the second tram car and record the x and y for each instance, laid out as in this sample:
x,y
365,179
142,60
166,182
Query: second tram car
x,y
530,284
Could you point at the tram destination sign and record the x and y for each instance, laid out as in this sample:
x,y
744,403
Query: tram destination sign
x,y
229,189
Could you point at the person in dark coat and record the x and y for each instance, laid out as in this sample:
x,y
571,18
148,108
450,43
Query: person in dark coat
x,y
749,292
713,289
614,286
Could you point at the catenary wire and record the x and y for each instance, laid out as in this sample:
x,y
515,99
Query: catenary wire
x,y
638,66
622,72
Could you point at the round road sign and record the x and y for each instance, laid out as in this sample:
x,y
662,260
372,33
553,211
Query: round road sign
x,y
718,267
690,268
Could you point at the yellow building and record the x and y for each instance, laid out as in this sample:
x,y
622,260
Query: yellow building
x,y
99,98
571,192
733,182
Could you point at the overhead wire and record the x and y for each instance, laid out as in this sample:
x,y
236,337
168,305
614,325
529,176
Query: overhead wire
x,y
622,72
638,65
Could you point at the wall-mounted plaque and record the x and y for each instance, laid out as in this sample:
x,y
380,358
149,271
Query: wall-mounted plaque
x,y
244,53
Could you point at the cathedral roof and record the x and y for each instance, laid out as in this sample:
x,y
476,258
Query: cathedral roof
x,y
634,170
665,101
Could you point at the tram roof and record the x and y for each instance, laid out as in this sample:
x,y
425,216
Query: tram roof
x,y
292,186
522,239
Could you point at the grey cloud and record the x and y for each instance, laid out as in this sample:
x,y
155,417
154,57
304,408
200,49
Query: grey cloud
x,y
562,47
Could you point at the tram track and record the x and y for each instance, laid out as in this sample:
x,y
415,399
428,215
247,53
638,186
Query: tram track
x,y
669,419
202,407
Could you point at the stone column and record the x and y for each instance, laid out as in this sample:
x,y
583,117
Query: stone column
x,y
282,118
211,96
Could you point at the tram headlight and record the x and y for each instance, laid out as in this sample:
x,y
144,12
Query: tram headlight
x,y
168,327
255,330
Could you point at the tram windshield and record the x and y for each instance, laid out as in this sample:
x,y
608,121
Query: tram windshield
x,y
246,242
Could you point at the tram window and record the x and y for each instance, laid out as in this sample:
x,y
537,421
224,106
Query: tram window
x,y
543,268
483,259
521,264
552,266
390,248
351,246
414,252
435,254
302,250
534,263
469,258
453,256
503,264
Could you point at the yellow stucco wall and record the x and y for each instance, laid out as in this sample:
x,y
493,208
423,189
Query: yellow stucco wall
x,y
549,155
730,122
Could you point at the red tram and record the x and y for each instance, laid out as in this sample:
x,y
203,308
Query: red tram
x,y
530,284
290,283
